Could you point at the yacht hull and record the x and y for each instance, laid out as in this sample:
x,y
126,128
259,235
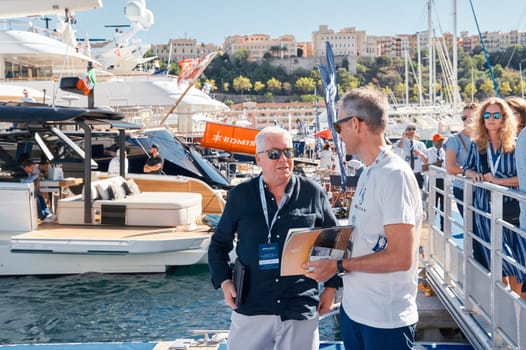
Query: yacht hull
x,y
52,253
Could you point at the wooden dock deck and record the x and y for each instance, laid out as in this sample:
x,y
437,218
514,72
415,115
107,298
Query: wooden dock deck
x,y
435,323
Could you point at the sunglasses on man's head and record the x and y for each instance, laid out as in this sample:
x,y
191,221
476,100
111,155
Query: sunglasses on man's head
x,y
488,115
275,153
337,126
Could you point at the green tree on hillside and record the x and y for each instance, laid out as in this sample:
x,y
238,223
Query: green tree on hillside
x,y
346,80
505,88
399,92
258,86
212,83
487,89
469,90
242,84
287,87
305,84
274,85
519,88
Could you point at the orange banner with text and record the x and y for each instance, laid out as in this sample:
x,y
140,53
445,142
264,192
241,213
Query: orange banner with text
x,y
230,138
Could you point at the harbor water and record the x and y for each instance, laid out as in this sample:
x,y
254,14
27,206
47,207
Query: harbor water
x,y
110,307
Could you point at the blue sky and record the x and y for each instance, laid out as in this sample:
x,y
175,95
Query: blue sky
x,y
210,21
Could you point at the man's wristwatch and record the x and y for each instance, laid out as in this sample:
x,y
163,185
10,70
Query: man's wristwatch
x,y
340,268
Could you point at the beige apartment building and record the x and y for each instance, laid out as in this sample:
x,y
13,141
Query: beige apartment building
x,y
352,42
306,48
257,45
348,42
181,49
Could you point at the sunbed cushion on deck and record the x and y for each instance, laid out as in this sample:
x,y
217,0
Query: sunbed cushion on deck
x,y
143,209
130,187
102,189
94,192
116,191
152,200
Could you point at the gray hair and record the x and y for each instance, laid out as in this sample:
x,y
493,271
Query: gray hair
x,y
369,104
261,137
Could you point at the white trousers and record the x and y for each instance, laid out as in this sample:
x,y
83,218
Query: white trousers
x,y
268,332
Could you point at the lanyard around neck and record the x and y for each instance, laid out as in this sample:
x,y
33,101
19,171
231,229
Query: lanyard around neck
x,y
367,172
265,207
377,160
493,165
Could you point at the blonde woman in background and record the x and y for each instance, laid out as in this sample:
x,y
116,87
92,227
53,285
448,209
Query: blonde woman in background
x,y
492,159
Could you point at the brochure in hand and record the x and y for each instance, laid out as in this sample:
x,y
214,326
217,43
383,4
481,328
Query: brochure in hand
x,y
304,245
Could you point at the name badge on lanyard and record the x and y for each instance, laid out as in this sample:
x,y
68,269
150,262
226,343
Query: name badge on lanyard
x,y
493,158
268,256
269,252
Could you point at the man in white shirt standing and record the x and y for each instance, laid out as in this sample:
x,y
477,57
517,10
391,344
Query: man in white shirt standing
x,y
379,308
115,163
413,151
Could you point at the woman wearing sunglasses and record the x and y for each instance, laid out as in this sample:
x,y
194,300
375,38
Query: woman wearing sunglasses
x,y
492,159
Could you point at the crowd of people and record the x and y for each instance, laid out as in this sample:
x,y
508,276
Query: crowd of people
x,y
487,149
378,309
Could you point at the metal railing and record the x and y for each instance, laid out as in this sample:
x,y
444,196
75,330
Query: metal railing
x,y
489,313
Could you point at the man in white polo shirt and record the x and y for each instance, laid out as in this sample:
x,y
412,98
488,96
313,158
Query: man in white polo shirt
x,y
413,151
379,308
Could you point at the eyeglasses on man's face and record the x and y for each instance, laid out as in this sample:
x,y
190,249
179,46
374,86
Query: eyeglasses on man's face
x,y
488,115
337,124
275,153
464,118
410,129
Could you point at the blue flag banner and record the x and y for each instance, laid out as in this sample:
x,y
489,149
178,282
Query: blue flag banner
x,y
330,95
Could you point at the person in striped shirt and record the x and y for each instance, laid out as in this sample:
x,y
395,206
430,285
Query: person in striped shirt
x,y
492,159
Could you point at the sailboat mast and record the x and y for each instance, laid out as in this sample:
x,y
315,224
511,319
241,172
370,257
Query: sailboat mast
x,y
472,86
522,83
406,79
431,61
420,98
455,58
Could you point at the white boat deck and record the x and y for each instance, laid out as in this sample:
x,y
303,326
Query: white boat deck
x,y
67,249
89,239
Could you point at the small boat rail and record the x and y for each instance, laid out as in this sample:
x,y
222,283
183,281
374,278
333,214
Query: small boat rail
x,y
489,313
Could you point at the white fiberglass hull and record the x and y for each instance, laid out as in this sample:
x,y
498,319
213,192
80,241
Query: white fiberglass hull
x,y
21,255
